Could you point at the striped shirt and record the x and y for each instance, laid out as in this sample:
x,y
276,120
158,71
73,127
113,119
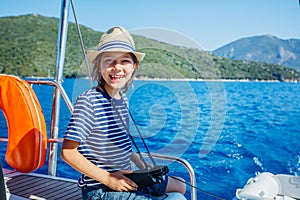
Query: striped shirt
x,y
96,124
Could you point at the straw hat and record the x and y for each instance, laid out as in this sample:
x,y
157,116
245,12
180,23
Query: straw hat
x,y
116,39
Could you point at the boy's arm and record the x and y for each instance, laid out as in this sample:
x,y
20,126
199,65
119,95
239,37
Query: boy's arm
x,y
116,181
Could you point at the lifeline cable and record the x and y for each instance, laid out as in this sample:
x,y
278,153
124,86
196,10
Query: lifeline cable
x,y
81,44
200,190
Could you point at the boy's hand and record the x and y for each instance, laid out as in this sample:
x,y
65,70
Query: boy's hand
x,y
118,182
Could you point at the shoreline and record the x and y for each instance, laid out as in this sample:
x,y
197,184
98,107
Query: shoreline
x,y
213,80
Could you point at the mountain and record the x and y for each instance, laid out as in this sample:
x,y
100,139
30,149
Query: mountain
x,y
265,48
28,48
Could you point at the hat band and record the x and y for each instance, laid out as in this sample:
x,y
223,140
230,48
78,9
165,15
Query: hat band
x,y
116,44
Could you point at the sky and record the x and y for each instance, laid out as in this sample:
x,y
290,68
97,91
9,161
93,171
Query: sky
x,y
208,24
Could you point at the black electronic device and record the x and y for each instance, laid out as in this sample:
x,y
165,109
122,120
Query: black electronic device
x,y
148,177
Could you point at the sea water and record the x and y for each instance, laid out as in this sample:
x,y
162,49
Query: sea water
x,y
227,131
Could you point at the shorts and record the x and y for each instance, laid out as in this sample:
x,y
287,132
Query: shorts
x,y
102,192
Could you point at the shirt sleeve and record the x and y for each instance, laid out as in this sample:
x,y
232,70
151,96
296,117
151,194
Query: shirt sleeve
x,y
81,121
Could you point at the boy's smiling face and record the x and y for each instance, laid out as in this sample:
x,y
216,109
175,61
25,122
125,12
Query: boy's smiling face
x,y
116,69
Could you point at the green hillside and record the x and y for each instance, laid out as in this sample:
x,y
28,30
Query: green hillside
x,y
28,48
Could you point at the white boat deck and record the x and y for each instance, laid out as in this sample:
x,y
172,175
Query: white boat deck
x,y
36,186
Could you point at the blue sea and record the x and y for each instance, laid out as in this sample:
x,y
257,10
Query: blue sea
x,y
227,131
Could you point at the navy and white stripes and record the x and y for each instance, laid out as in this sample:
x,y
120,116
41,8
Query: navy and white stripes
x,y
102,136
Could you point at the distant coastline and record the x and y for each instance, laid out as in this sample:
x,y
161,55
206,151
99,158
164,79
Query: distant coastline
x,y
213,80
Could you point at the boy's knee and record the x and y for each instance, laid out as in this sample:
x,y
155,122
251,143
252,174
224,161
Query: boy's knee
x,y
177,184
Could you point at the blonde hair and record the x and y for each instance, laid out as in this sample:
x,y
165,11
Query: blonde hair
x,y
97,76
